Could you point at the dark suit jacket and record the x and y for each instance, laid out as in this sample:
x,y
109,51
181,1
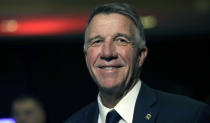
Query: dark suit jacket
x,y
205,115
163,108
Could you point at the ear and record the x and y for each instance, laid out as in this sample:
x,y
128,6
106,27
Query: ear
x,y
142,55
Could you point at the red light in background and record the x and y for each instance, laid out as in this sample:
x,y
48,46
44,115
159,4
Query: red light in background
x,y
43,26
9,26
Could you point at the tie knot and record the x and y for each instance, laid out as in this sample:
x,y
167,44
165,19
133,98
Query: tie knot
x,y
113,117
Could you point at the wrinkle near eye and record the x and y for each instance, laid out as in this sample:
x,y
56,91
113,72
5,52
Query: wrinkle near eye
x,y
96,42
93,40
123,39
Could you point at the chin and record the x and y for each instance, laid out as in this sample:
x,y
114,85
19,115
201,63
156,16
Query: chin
x,y
109,83
111,88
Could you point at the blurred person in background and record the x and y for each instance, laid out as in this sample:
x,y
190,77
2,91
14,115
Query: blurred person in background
x,y
28,109
115,50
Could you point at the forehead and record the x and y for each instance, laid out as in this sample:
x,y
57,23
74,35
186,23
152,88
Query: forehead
x,y
24,104
110,22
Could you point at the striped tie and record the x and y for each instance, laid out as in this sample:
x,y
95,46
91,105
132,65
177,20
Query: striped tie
x,y
113,117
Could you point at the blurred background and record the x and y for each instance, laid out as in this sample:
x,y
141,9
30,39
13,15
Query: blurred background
x,y
41,51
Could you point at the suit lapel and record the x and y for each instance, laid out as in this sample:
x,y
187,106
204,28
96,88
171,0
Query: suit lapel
x,y
92,114
145,110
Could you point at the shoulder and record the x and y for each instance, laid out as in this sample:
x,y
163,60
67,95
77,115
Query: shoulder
x,y
205,115
164,99
179,106
181,101
82,114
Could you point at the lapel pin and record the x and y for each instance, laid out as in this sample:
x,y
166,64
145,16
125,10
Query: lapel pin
x,y
148,116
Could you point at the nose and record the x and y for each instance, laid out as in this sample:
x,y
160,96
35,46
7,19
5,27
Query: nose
x,y
108,51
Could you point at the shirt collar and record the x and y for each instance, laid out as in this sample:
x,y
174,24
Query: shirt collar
x,y
125,106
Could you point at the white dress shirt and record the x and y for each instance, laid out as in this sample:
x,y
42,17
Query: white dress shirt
x,y
125,106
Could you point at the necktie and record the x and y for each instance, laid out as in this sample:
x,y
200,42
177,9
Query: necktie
x,y
113,117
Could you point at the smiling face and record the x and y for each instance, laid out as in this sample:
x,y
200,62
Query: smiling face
x,y
111,55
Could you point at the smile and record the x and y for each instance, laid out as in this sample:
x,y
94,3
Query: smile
x,y
108,68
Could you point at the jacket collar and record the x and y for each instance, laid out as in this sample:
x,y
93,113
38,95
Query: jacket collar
x,y
92,114
145,110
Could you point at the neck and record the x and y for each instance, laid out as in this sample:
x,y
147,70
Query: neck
x,y
110,100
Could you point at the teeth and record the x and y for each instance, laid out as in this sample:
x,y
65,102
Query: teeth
x,y
108,68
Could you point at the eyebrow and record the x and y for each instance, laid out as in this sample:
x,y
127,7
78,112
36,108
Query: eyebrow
x,y
122,35
114,37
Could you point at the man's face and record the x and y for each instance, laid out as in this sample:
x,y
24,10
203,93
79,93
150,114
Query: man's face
x,y
27,111
111,56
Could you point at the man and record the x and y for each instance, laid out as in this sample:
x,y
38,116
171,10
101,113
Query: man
x,y
115,50
27,109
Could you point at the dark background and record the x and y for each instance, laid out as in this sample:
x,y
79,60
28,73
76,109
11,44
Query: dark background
x,y
52,68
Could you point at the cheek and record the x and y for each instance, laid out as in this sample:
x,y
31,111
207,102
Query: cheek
x,y
128,54
91,56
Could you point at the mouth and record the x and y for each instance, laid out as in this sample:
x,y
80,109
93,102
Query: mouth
x,y
108,68
105,67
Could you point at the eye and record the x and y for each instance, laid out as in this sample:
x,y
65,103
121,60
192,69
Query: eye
x,y
96,42
28,112
15,114
122,41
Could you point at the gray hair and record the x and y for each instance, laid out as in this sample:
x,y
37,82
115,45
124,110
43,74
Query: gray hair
x,y
124,9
